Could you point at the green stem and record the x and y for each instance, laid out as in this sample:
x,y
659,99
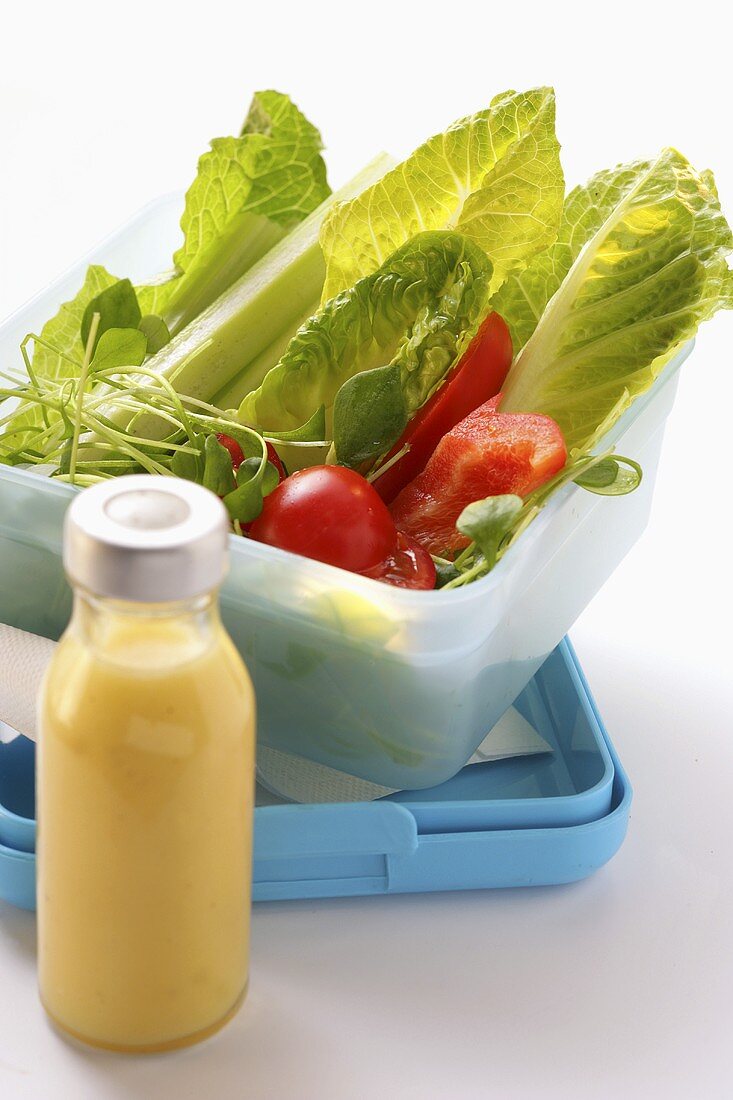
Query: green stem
x,y
167,387
123,445
465,555
38,341
372,477
32,376
88,352
80,480
465,578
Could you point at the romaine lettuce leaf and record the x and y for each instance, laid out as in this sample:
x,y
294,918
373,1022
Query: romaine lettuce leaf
x,y
61,335
227,351
57,354
639,262
494,177
417,310
249,191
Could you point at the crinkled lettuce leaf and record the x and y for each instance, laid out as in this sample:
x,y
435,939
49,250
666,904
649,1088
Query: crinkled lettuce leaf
x,y
416,311
248,192
494,177
57,354
60,347
639,263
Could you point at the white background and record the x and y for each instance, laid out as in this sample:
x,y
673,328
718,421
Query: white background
x,y
616,986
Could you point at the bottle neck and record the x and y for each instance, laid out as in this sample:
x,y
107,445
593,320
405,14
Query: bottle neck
x,y
103,623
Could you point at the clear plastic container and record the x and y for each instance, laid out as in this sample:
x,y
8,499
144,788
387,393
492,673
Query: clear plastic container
x,y
531,821
395,686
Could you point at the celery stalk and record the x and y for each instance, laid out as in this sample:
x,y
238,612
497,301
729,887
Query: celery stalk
x,y
224,340
247,238
231,396
241,335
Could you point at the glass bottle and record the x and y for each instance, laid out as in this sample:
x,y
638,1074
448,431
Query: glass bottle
x,y
145,777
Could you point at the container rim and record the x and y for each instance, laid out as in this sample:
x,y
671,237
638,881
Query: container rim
x,y
404,597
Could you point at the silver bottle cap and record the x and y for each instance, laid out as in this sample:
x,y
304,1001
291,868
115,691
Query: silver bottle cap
x,y
147,539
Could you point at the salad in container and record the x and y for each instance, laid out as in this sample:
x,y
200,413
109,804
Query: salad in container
x,y
432,403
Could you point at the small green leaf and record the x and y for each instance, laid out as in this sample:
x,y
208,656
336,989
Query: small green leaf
x,y
488,521
117,307
612,477
156,331
218,473
190,466
119,347
253,484
245,502
248,470
599,476
271,479
369,415
268,480
445,571
313,431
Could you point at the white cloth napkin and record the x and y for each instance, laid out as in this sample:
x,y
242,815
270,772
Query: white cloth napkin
x,y
281,776
23,659
292,779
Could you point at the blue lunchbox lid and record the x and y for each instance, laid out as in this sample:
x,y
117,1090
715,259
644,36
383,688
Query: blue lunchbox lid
x,y
535,820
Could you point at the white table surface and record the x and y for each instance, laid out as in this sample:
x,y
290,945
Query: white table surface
x,y
619,986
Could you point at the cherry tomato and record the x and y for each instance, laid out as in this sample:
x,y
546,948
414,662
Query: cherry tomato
x,y
408,566
478,375
328,513
235,451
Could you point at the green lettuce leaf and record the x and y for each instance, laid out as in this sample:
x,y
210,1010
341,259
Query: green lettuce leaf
x,y
57,355
639,263
417,311
248,192
487,522
495,177
60,338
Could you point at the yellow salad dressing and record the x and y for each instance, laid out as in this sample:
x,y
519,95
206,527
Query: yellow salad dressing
x,y
145,787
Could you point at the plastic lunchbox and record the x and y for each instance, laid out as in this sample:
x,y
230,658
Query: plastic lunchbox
x,y
530,821
393,686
